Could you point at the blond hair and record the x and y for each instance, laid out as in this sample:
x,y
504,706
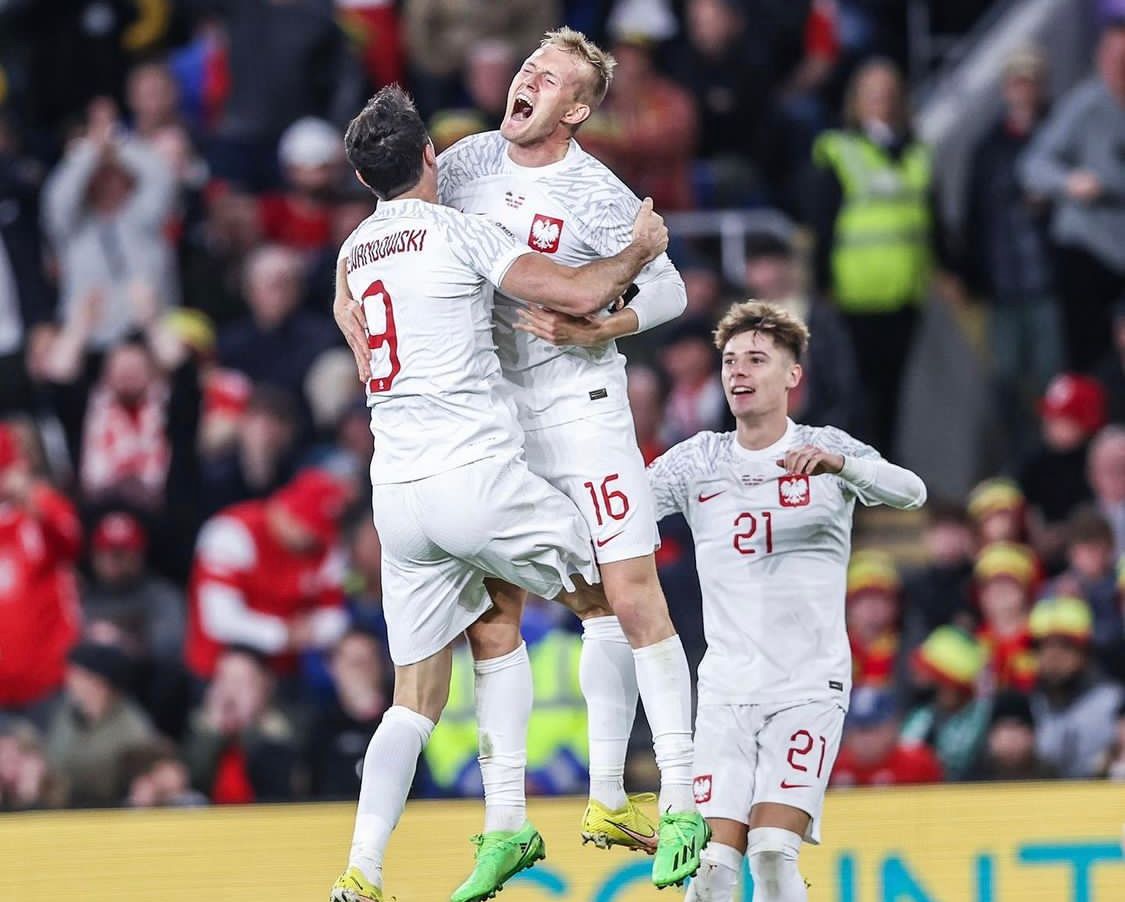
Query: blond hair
x,y
768,319
582,48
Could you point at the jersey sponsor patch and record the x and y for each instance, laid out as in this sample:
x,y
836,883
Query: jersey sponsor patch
x,y
701,788
598,393
836,684
793,491
546,233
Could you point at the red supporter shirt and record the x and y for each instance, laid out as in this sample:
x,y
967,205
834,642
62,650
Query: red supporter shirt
x,y
39,610
874,664
906,764
1011,659
245,588
300,225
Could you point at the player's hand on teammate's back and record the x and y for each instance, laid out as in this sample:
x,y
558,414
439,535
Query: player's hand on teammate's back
x,y
560,328
649,230
349,317
809,460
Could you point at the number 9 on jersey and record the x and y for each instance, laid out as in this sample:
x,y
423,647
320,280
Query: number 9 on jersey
x,y
382,338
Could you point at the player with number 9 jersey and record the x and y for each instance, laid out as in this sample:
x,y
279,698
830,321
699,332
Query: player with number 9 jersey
x,y
770,507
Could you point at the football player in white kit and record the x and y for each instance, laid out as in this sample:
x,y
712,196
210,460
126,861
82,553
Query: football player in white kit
x,y
534,178
452,495
770,506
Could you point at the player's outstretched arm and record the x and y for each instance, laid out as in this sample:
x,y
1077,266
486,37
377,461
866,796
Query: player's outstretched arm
x,y
875,481
593,286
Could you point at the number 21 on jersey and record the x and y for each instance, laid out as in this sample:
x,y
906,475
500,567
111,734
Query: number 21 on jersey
x,y
382,338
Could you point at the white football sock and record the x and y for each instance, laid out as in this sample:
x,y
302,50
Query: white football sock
x,y
608,677
773,865
388,771
665,687
719,869
503,701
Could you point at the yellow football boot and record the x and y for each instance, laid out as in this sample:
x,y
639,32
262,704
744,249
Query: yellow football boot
x,y
628,827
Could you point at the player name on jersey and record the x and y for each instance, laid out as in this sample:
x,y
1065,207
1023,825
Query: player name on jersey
x,y
366,252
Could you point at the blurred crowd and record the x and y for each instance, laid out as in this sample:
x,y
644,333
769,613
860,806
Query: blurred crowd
x,y
190,593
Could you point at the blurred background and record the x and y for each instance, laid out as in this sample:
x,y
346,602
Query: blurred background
x,y
181,419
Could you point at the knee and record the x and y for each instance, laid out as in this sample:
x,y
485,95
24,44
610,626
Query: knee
x,y
772,853
643,616
429,701
493,640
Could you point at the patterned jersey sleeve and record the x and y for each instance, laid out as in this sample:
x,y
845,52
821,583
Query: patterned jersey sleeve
x,y
469,159
671,473
486,247
837,441
606,207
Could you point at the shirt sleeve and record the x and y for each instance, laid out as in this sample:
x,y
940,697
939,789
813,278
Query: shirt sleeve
x,y
486,247
872,479
669,476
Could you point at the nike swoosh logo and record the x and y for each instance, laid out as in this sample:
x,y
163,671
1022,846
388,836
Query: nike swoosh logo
x,y
787,785
601,543
704,498
645,840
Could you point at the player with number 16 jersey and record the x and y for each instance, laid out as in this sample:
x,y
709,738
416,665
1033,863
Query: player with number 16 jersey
x,y
770,506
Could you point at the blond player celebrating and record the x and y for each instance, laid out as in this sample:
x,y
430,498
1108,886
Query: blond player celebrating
x,y
770,506
534,178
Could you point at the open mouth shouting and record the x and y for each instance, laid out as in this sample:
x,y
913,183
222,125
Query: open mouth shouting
x,y
522,107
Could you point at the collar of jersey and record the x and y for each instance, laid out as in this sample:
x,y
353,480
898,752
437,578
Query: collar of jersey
x,y
539,172
771,451
395,206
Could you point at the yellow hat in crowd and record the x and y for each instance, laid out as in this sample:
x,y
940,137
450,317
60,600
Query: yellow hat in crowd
x,y
1067,618
1006,559
872,571
995,496
952,656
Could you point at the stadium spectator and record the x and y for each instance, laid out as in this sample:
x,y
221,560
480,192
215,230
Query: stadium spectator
x,y
999,511
286,60
1054,478
311,153
25,301
1110,372
1005,576
240,746
27,781
105,207
152,98
489,67
374,25
98,723
40,538
557,752
1113,762
1107,480
1073,705
874,249
262,457
724,68
873,753
1091,575
126,452
159,779
695,398
646,129
947,667
646,401
340,732
1074,160
1009,750
440,35
829,393
873,618
364,585
145,608
265,576
278,342
937,594
1007,249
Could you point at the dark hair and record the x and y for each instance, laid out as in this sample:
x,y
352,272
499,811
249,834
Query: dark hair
x,y
768,245
1087,525
384,143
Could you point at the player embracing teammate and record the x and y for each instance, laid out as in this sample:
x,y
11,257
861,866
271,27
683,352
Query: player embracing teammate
x,y
770,506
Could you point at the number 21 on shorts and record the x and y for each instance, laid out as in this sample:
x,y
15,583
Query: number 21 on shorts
x,y
382,338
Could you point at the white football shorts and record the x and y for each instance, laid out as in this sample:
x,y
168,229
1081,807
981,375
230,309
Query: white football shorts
x,y
443,535
596,463
746,754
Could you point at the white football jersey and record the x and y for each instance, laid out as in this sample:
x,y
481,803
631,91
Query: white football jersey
x,y
772,555
425,275
574,211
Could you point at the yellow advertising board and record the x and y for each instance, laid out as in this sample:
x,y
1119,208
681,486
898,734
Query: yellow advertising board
x,y
1029,843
